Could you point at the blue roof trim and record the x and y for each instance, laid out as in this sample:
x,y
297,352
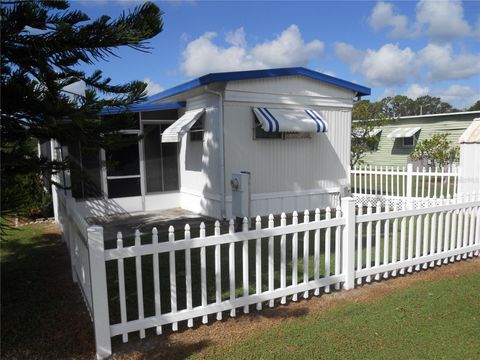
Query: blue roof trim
x,y
255,74
144,106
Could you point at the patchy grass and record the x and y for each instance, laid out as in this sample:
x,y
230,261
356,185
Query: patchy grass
x,y
43,314
435,320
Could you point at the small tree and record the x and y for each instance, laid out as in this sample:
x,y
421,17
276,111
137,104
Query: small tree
x,y
367,117
438,151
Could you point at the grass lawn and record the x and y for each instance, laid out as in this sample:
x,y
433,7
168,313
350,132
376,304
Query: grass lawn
x,y
43,314
434,320
430,188
429,315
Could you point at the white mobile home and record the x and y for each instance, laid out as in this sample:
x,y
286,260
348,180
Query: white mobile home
x,y
237,143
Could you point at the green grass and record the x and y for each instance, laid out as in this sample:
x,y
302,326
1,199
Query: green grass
x,y
427,189
43,314
433,320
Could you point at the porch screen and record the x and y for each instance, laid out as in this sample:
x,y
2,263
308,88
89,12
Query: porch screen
x,y
161,160
84,170
123,168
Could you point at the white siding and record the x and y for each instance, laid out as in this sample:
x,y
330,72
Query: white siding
x,y
293,90
292,166
199,162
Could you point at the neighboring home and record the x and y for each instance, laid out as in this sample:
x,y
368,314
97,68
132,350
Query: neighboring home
x,y
287,130
399,138
469,181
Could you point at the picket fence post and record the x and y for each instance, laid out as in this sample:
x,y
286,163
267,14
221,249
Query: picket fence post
x,y
98,282
409,187
348,248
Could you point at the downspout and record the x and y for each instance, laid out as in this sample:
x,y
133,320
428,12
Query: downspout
x,y
222,150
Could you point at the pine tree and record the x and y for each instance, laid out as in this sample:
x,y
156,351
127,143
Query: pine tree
x,y
43,43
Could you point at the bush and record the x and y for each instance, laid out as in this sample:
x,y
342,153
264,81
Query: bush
x,y
29,195
438,151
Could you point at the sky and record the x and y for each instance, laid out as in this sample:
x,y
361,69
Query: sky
x,y
403,47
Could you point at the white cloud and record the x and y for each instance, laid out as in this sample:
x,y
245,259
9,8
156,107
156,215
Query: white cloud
x,y
442,64
349,55
236,38
387,66
391,65
459,96
77,88
152,87
414,91
288,49
383,16
443,20
202,55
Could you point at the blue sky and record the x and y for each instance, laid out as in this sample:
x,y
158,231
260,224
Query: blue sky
x,y
409,48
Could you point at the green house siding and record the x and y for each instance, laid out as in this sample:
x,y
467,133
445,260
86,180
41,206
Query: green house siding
x,y
391,152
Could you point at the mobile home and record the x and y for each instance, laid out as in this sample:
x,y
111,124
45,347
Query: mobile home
x,y
399,138
227,144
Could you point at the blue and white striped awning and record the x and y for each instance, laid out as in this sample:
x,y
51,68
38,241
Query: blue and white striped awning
x,y
290,120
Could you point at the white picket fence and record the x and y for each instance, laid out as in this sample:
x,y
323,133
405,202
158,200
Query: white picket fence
x,y
154,282
395,185
75,234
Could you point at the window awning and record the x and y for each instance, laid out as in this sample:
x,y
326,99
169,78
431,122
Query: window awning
x,y
175,132
403,132
290,120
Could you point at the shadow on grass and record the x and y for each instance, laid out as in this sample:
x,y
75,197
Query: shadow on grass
x,y
43,314
188,341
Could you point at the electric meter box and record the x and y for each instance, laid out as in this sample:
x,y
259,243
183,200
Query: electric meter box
x,y
240,183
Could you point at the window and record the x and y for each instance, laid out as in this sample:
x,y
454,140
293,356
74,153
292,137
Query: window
x,y
259,133
198,129
123,168
409,141
161,160
85,172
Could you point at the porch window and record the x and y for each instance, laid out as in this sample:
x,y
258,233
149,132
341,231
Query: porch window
x,y
85,172
123,168
161,160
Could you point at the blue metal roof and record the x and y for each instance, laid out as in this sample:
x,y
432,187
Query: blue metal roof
x,y
144,106
255,74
